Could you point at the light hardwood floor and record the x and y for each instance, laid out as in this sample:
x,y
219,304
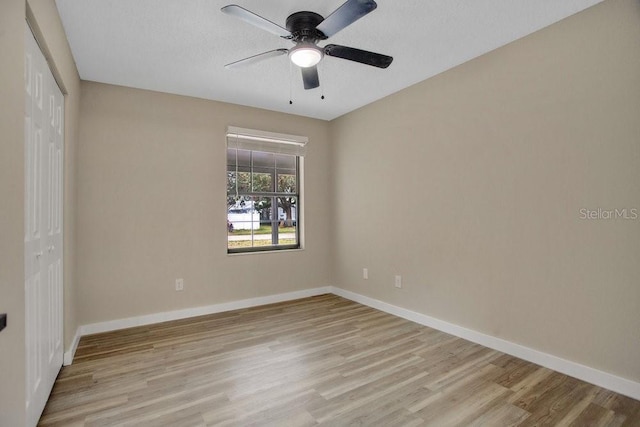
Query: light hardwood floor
x,y
322,360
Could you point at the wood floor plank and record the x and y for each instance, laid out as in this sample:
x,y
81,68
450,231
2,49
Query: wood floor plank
x,y
323,360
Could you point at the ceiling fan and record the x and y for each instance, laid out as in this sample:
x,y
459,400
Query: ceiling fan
x,y
305,30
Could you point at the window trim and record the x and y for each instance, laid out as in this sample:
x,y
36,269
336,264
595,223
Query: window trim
x,y
276,143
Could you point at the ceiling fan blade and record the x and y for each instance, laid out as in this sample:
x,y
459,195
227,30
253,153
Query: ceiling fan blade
x,y
310,77
358,55
255,20
345,15
256,58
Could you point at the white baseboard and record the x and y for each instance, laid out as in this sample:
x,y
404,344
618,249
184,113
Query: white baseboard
x,y
68,355
112,325
594,376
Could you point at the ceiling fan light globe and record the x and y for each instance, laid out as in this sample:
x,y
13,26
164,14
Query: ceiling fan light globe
x,y
305,55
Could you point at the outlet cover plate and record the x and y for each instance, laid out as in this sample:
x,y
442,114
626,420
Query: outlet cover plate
x,y
398,281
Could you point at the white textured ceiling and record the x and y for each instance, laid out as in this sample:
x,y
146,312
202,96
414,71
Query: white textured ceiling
x,y
181,46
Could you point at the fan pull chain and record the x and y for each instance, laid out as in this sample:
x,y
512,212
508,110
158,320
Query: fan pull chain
x,y
290,83
322,74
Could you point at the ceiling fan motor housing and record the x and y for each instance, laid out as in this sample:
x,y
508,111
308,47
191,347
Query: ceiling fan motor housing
x,y
302,26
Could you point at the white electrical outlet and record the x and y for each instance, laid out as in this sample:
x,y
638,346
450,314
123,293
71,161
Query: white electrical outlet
x,y
398,281
365,273
179,284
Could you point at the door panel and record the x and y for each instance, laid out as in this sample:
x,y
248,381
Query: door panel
x,y
44,158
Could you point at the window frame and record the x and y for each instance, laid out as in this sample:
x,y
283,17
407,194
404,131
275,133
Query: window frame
x,y
291,145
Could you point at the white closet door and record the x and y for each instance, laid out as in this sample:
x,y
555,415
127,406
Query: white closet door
x,y
44,125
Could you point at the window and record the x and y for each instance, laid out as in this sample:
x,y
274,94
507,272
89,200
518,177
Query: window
x,y
263,190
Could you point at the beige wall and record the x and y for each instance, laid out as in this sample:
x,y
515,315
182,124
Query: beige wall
x,y
470,185
12,353
151,205
44,19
